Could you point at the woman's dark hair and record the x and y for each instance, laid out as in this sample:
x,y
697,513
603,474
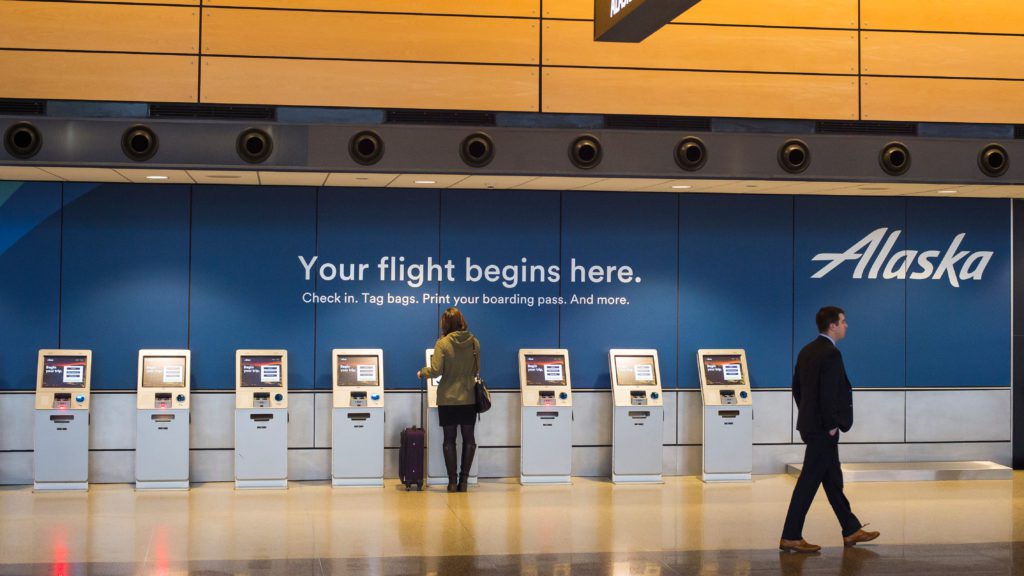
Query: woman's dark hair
x,y
452,321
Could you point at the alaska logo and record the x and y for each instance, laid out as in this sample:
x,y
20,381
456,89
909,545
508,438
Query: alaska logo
x,y
955,264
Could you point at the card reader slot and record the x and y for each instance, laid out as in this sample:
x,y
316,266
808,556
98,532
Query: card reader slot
x,y
547,415
359,416
162,417
639,414
62,418
262,417
62,396
257,396
729,413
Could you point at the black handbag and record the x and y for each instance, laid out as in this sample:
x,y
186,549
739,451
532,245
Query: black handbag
x,y
483,395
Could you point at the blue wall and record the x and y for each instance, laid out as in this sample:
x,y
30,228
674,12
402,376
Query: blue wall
x,y
118,267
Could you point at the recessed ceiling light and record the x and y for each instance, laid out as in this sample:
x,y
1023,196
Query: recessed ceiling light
x,y
947,191
426,181
751,185
155,177
223,176
362,178
874,188
682,187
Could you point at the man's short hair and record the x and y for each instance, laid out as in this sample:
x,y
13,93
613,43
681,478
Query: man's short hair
x,y
827,316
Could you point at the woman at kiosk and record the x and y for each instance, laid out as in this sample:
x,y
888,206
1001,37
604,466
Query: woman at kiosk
x,y
456,361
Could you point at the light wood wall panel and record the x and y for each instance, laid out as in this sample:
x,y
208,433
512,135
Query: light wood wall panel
x,y
792,13
942,100
368,84
160,2
603,91
950,55
99,27
521,8
94,76
304,34
695,47
982,16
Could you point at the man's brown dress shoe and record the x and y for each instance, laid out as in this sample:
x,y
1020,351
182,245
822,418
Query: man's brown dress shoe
x,y
800,545
861,535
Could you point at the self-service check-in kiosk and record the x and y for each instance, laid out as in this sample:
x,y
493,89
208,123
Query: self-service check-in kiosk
x,y
638,418
357,453
546,389
437,474
63,382
162,420
728,415
261,419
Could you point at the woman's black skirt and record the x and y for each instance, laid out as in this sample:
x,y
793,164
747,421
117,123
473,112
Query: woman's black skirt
x,y
457,415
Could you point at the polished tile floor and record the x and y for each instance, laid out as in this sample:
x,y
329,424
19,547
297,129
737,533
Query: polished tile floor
x,y
591,527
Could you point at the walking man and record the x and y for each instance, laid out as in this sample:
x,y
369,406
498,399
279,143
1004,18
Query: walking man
x,y
824,399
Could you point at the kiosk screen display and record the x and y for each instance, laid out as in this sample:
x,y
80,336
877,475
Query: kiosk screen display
x,y
723,370
163,371
358,370
545,370
261,371
64,371
635,371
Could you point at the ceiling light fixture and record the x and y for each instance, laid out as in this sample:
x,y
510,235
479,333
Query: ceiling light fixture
x,y
947,192
157,177
426,181
682,187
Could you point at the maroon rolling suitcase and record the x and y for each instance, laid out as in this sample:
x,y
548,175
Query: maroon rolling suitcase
x,y
410,457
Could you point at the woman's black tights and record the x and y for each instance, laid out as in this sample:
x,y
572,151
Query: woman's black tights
x,y
468,451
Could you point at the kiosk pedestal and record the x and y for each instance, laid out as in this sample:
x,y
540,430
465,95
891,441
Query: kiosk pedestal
x,y
261,419
61,431
546,390
357,432
437,474
162,420
728,415
638,418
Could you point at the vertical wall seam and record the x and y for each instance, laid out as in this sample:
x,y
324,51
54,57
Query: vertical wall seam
x,y
60,272
860,68
316,252
188,288
199,58
561,265
792,314
540,58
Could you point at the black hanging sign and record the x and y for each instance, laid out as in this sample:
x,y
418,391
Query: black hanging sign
x,y
634,20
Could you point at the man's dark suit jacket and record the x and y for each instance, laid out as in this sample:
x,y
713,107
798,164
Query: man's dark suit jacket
x,y
821,389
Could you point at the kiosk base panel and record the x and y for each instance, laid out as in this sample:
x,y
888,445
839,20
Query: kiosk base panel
x,y
276,484
162,485
711,477
538,479
61,459
357,447
637,479
59,486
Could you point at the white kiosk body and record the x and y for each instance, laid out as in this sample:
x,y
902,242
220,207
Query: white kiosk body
x,y
437,474
638,416
546,389
728,415
162,420
63,381
261,419
357,440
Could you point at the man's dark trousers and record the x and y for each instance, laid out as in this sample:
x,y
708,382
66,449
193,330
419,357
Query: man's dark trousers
x,y
821,467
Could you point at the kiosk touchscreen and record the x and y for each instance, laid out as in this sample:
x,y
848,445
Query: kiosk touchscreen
x,y
638,416
357,453
546,390
437,474
728,415
162,420
63,380
261,419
